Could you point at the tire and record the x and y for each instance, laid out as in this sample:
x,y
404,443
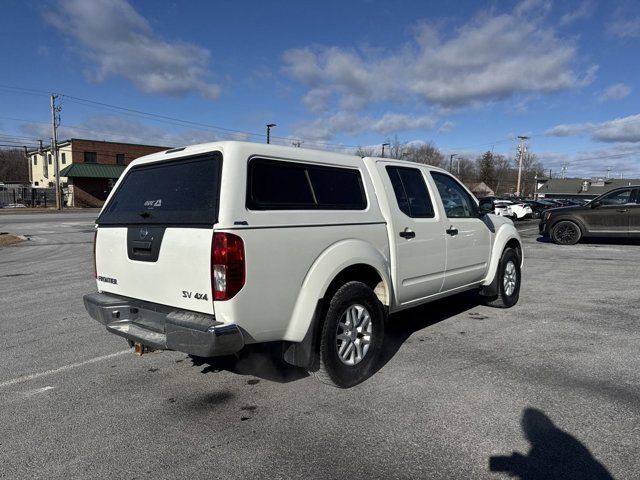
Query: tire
x,y
566,232
353,301
535,214
509,280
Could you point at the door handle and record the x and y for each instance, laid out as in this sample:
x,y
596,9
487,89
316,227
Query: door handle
x,y
407,233
622,210
453,231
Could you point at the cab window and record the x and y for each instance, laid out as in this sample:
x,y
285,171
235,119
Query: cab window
x,y
457,202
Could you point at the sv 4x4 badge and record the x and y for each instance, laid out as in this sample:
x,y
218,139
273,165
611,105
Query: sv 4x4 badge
x,y
196,296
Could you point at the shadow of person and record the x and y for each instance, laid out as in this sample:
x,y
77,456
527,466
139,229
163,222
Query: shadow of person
x,y
554,454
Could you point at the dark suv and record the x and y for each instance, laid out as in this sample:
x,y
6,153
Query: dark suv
x,y
613,214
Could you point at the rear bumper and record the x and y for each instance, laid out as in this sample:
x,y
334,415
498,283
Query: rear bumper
x,y
158,326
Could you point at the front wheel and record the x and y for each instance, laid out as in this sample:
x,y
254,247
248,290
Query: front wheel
x,y
508,281
352,336
566,233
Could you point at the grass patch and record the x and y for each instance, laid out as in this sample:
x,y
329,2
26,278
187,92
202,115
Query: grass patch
x,y
7,239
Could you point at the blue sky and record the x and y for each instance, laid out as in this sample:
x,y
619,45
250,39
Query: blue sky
x,y
467,76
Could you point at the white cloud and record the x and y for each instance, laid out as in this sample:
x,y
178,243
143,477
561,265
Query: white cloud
x,y
584,10
620,158
624,26
326,126
617,91
113,35
446,127
626,129
492,57
119,129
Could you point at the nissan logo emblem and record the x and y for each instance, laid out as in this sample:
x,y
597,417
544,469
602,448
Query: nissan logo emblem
x,y
143,233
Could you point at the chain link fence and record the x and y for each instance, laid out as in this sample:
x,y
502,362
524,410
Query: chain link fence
x,y
16,196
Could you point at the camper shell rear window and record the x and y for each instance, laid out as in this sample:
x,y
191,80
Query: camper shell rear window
x,y
175,192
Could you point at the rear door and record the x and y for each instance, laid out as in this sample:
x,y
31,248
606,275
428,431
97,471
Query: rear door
x,y
612,217
153,240
467,236
418,245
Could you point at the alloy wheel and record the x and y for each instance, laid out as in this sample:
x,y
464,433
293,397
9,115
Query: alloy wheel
x,y
354,334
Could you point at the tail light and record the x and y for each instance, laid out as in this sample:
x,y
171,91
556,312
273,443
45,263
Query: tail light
x,y
227,265
95,268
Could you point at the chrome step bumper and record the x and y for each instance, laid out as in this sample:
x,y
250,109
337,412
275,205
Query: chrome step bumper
x,y
161,327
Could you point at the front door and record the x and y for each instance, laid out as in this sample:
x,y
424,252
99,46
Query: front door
x,y
634,215
468,237
418,259
611,217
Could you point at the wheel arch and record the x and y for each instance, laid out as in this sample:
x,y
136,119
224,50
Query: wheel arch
x,y
349,260
506,237
576,220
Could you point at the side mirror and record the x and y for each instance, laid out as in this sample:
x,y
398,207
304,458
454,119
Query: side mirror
x,y
486,206
595,204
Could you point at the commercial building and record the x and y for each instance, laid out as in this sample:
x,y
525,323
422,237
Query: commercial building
x,y
88,168
579,187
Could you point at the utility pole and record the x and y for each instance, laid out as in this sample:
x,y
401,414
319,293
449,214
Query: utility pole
x,y
26,155
521,151
564,169
451,162
55,120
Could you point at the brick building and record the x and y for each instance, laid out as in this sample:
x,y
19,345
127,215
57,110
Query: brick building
x,y
88,168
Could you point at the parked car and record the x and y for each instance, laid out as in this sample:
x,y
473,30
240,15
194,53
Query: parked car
x,y
550,203
613,214
210,248
537,208
502,210
518,210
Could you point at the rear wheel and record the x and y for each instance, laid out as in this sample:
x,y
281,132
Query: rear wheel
x,y
566,233
352,336
508,281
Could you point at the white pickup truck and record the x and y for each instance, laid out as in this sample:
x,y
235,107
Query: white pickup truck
x,y
209,248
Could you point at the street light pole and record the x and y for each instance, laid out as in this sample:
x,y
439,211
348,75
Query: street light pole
x,y
269,127
384,145
451,161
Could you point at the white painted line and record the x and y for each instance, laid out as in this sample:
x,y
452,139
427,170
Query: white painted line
x,y
528,229
33,376
30,393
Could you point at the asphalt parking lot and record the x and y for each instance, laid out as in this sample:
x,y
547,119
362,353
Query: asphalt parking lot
x,y
547,388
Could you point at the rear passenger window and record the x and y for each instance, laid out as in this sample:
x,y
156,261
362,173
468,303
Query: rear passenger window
x,y
411,192
275,185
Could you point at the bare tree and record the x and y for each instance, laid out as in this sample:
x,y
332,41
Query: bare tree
x,y
13,166
426,153
465,170
365,151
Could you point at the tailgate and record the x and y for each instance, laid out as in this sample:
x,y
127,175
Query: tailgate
x,y
154,235
180,276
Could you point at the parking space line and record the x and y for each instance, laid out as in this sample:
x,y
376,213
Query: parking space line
x,y
34,376
528,229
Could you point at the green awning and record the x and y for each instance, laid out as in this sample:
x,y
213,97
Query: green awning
x,y
92,170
